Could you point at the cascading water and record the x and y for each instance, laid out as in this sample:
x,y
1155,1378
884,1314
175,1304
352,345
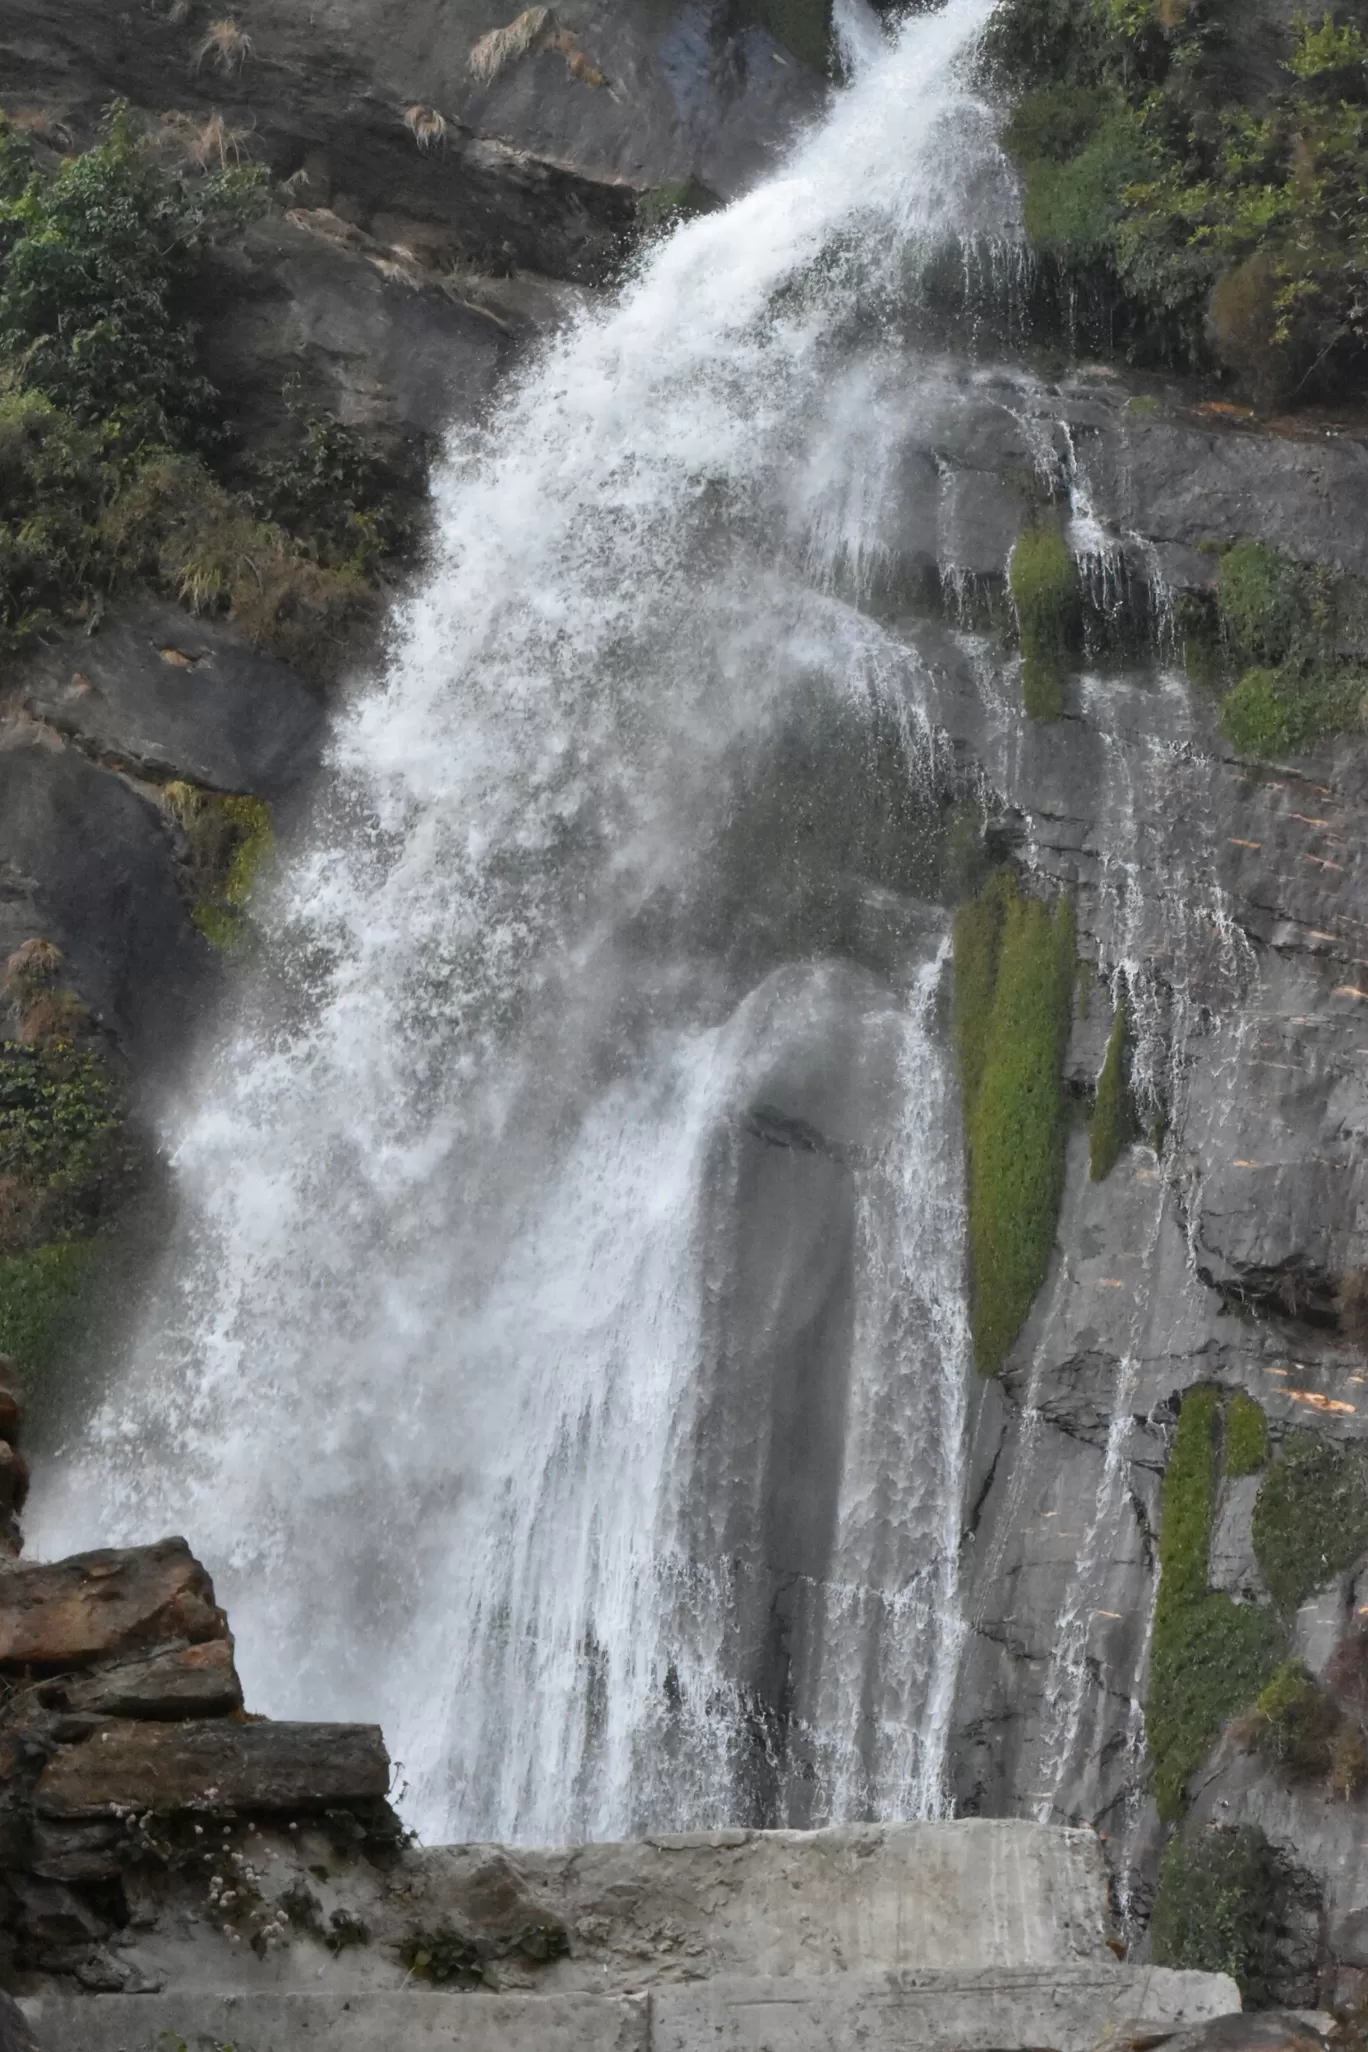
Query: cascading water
x,y
561,1353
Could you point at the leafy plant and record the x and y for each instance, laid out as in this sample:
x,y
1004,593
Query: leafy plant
x,y
98,266
1221,1907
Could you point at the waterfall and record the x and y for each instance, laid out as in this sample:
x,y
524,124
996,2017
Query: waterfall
x,y
559,1355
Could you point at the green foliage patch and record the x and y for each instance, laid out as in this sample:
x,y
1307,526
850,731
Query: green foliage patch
x,y
108,427
1203,215
1295,1722
60,1127
1311,1517
1246,1435
1221,1907
1014,974
1113,1121
1045,596
230,839
1210,1656
42,1299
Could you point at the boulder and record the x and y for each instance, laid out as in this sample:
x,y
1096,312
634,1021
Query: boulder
x,y
215,1766
98,1606
15,2034
179,1681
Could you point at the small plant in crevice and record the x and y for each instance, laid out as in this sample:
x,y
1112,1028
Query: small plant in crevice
x,y
1294,1723
1044,584
1113,1121
1013,993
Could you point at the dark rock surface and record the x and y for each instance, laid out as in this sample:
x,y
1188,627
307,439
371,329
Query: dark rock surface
x,y
214,1766
159,694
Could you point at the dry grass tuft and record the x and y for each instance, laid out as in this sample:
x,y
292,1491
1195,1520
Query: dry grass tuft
x,y
528,33
32,967
217,142
225,45
425,125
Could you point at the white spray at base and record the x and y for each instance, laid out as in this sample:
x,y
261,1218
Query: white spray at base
x,y
442,1374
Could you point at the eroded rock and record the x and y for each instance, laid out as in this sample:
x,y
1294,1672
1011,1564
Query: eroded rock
x,y
97,1606
215,1766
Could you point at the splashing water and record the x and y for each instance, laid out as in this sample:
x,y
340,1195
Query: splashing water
x,y
560,1355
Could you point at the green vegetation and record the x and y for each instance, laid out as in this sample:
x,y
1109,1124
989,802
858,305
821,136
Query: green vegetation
x,y
1113,1119
109,430
665,206
1221,1907
1045,595
1295,1722
1311,1518
1014,973
42,1298
1185,206
229,838
1210,1656
1246,1436
1280,631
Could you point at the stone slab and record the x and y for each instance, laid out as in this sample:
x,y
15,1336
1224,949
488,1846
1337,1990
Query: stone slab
x,y
403,2021
1067,2009
96,1606
215,1765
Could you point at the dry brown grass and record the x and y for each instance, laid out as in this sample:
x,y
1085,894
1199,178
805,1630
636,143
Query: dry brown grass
x,y
217,143
425,125
32,967
535,29
226,46
54,1015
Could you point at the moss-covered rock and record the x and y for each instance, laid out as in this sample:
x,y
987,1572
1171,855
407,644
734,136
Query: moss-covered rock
x,y
1210,1656
1246,1435
43,1296
1222,1908
1013,994
230,838
1311,1517
1045,596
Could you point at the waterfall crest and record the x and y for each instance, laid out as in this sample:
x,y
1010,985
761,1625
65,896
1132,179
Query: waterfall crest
x,y
560,1356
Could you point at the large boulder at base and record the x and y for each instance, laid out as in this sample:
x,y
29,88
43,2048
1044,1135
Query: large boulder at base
x,y
97,1606
215,1766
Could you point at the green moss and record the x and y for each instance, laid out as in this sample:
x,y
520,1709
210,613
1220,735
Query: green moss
x,y
1013,992
664,206
1246,1436
1260,602
1113,1120
1045,595
42,1299
1311,1517
1221,1908
1275,712
230,838
1210,1656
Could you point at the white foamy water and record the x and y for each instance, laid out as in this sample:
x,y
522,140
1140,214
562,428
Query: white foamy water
x,y
560,1355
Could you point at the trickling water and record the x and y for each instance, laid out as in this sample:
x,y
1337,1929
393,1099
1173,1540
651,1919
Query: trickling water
x,y
560,1357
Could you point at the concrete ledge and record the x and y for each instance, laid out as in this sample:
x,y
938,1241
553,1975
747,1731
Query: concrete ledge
x,y
1080,2009
1069,2009
410,2021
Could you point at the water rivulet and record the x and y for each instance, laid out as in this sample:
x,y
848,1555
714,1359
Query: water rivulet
x,y
560,1356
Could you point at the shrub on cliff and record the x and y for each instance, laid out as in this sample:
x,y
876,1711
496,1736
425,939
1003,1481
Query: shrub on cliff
x,y
1222,1908
1202,218
1311,1517
97,267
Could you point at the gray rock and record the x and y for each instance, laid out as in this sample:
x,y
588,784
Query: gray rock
x,y
214,1766
163,695
1233,1565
